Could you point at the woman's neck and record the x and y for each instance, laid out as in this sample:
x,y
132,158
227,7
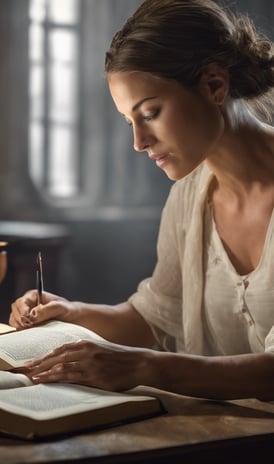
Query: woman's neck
x,y
244,158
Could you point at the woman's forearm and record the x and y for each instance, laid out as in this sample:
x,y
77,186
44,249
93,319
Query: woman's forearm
x,y
219,377
119,323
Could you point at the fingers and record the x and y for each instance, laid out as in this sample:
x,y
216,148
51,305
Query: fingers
x,y
21,308
25,313
63,364
65,373
44,312
64,353
69,363
86,363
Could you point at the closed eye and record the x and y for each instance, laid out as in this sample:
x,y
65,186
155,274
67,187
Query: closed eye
x,y
146,117
151,116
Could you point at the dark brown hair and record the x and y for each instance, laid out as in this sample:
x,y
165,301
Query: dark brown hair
x,y
177,39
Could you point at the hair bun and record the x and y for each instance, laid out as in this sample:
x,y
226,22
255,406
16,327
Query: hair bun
x,y
252,74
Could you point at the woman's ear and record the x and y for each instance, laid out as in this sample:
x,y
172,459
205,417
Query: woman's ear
x,y
215,83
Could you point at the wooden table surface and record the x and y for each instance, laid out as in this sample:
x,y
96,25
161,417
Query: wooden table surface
x,y
192,431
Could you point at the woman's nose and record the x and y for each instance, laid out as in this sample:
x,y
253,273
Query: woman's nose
x,y
142,139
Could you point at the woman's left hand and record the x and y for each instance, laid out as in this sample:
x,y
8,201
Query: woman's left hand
x,y
108,367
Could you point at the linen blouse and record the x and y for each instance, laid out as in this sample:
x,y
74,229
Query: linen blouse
x,y
195,301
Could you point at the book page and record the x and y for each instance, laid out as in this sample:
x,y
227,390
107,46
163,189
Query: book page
x,y
5,328
19,347
13,380
47,401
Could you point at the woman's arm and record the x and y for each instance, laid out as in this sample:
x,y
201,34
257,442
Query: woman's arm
x,y
119,323
217,377
118,367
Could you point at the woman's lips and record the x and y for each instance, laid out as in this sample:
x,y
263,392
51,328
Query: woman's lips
x,y
160,159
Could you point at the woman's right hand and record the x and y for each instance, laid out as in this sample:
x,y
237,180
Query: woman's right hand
x,y
25,313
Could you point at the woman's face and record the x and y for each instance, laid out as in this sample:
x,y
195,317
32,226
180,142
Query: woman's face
x,y
178,127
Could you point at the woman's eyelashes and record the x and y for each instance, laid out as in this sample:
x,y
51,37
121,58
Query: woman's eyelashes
x,y
151,116
146,117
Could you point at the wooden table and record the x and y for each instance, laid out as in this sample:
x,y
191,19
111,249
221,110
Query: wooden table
x,y
192,431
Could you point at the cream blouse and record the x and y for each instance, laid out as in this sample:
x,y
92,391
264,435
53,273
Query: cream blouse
x,y
238,310
195,301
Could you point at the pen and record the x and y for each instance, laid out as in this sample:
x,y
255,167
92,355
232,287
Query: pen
x,y
39,278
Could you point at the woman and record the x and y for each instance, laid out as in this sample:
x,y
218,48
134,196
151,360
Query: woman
x,y
192,81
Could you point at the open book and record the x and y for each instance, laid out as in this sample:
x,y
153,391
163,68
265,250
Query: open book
x,y
5,328
32,411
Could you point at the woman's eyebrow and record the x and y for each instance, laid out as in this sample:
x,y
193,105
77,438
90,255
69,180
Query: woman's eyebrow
x,y
139,103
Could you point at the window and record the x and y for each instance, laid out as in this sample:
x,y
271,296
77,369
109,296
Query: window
x,y
53,88
81,157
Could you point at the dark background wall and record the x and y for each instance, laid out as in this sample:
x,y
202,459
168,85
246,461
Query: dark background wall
x,y
107,252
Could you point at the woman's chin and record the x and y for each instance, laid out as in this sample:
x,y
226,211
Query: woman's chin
x,y
177,174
